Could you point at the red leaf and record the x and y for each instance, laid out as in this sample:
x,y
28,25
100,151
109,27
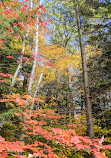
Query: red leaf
x,y
99,155
80,146
75,140
57,130
2,74
27,97
18,114
3,155
25,136
3,81
10,75
9,56
40,100
41,6
20,101
3,100
75,126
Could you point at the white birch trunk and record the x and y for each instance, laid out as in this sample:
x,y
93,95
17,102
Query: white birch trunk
x,y
34,62
37,87
19,66
31,4
23,49
31,80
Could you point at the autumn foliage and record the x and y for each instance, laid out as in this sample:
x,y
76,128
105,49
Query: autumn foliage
x,y
39,125
38,129
43,132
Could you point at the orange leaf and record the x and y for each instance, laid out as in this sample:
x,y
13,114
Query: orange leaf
x,y
27,97
99,155
25,136
18,114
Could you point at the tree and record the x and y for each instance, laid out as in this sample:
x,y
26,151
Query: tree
x,y
85,76
36,51
76,23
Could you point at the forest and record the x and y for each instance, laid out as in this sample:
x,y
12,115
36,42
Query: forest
x,y
55,78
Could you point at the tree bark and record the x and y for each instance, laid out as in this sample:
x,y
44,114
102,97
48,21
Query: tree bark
x,y
20,64
23,49
70,96
36,89
85,76
25,82
31,80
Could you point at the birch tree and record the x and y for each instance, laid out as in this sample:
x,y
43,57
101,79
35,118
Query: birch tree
x,y
31,80
20,63
37,87
23,49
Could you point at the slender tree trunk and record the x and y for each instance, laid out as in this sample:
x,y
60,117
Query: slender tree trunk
x,y
70,93
23,49
37,87
25,82
31,80
70,97
85,76
19,66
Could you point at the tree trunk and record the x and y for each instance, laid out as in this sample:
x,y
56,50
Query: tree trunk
x,y
25,82
85,76
70,92
36,89
20,64
31,80
23,49
70,97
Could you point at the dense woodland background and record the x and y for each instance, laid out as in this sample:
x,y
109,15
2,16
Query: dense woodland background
x,y
55,78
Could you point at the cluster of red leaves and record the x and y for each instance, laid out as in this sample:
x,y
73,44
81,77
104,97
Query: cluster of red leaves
x,y
44,61
24,10
26,59
4,75
10,11
6,147
20,100
34,128
73,140
9,57
35,125
15,148
1,41
68,138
